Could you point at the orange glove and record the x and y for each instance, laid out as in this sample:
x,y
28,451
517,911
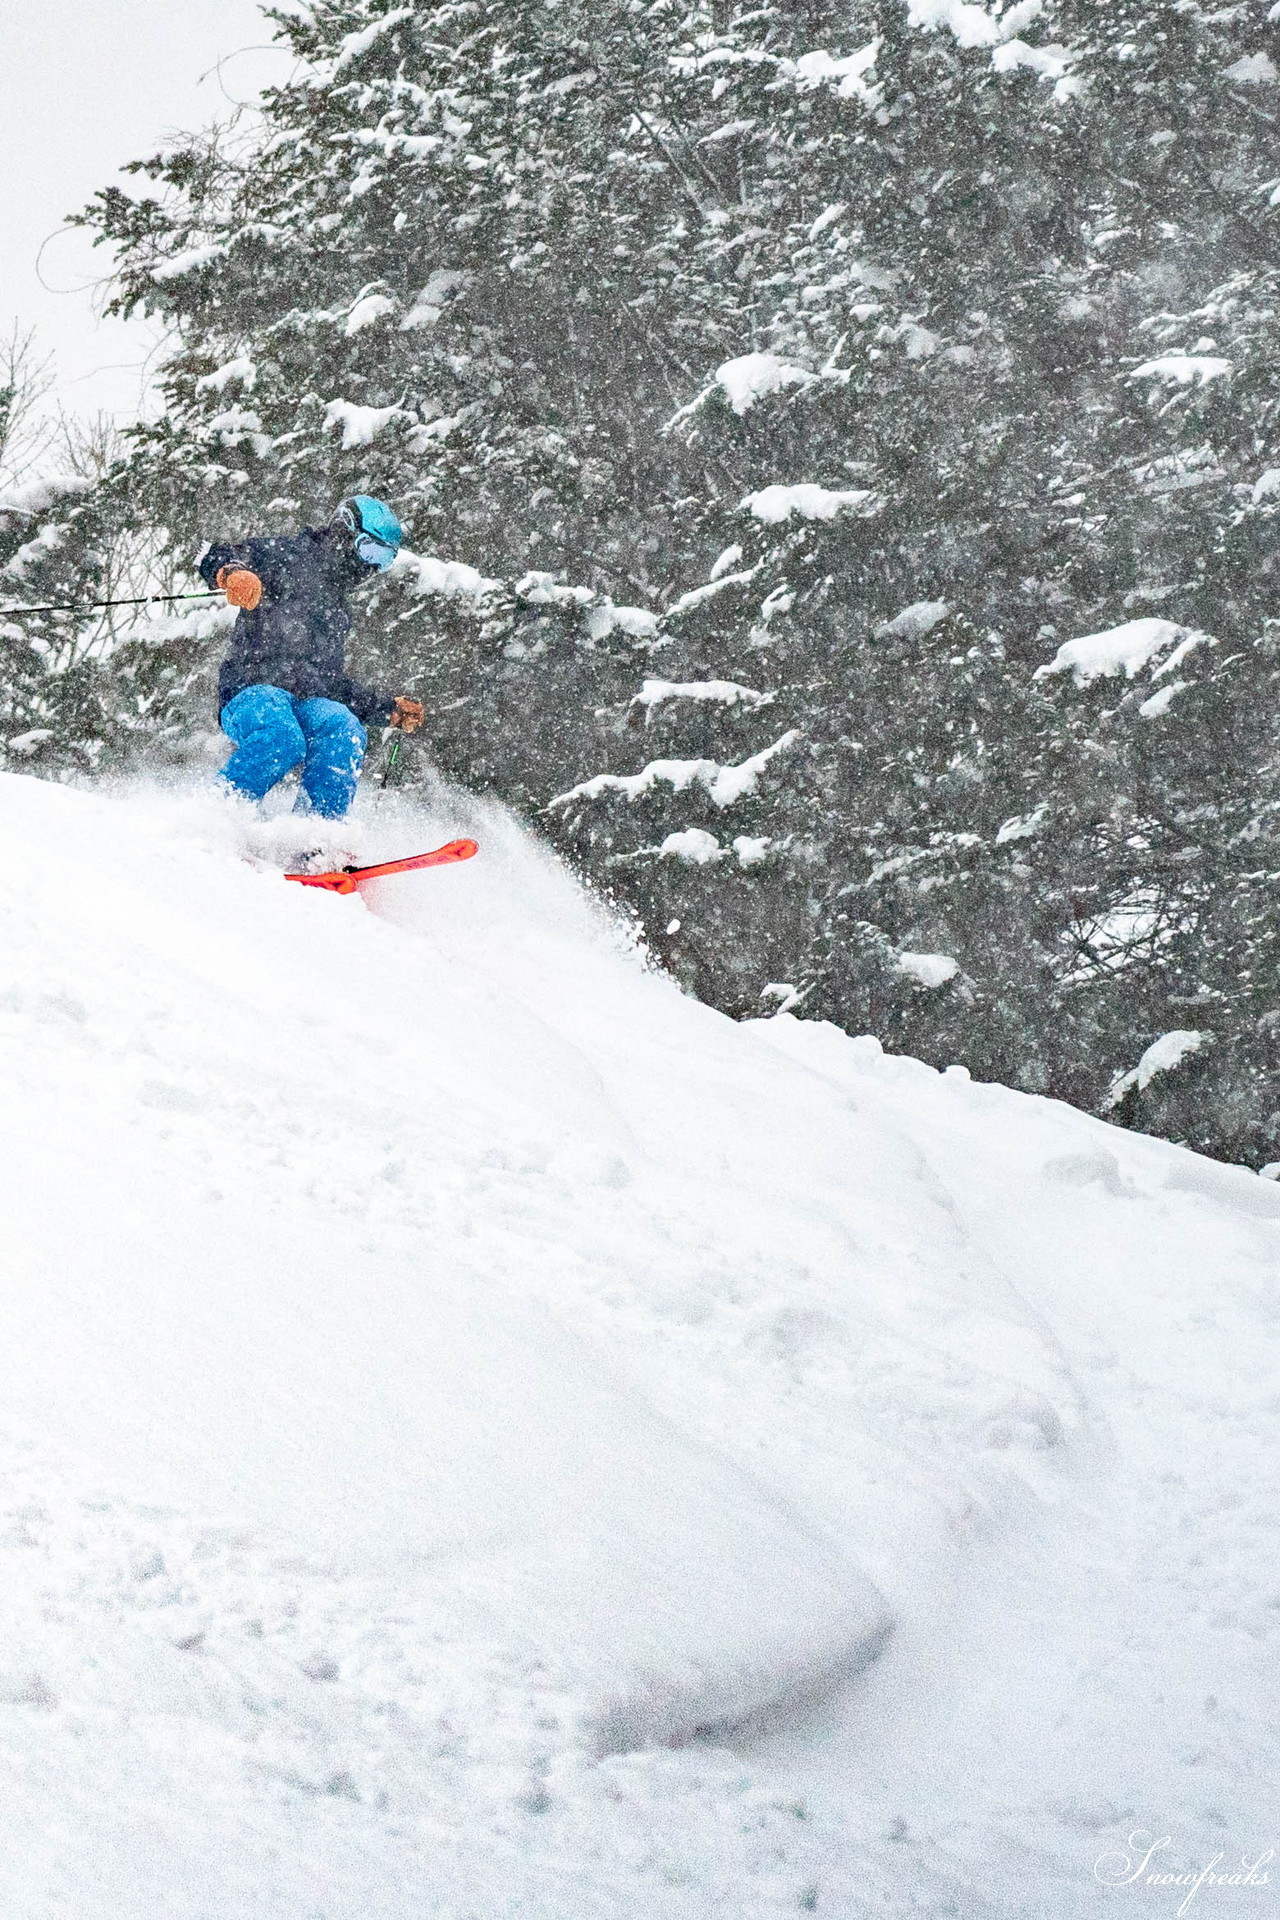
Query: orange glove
x,y
242,588
408,714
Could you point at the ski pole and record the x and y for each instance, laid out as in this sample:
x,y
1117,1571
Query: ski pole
x,y
392,756
90,606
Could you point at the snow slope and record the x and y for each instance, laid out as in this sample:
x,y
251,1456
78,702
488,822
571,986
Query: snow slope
x,y
484,1434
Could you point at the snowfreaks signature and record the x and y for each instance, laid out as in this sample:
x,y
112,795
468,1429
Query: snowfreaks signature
x,y
1140,1866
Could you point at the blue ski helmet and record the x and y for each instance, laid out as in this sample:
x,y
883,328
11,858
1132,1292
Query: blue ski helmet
x,y
375,532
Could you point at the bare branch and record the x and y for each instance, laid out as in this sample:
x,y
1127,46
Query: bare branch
x,y
26,432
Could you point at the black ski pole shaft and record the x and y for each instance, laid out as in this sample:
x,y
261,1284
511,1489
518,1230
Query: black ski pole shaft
x,y
91,606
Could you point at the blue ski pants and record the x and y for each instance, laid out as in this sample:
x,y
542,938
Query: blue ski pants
x,y
274,731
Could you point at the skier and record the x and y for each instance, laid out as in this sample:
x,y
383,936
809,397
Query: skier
x,y
284,698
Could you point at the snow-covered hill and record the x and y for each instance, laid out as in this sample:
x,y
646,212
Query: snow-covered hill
x,y
482,1434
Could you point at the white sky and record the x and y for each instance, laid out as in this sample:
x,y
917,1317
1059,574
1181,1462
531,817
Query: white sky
x,y
86,85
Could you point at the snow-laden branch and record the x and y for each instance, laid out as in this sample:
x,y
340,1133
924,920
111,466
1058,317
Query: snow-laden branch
x,y
241,370
352,45
697,595
724,693
970,25
1162,1056
362,425
424,574
774,505
928,970
725,785
35,497
743,381
190,260
698,848
1183,369
846,72
1125,649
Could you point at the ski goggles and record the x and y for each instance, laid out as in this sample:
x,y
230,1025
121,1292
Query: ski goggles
x,y
374,552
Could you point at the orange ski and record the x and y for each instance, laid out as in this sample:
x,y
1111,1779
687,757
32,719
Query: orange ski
x,y
348,879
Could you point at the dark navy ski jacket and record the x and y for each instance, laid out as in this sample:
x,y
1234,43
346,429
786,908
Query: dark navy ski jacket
x,y
296,638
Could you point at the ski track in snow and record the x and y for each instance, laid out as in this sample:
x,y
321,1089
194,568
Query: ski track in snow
x,y
470,1416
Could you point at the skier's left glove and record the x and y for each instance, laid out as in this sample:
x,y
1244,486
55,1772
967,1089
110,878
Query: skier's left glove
x,y
408,714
